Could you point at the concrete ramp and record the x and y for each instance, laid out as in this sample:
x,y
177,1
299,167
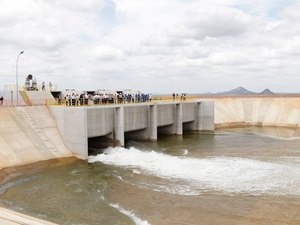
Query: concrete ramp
x,y
27,98
29,134
40,97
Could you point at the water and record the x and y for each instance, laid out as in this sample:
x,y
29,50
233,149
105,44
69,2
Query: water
x,y
234,176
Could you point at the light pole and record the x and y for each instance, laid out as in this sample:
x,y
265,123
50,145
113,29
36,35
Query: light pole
x,y
17,85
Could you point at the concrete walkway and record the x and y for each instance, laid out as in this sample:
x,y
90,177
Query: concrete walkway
x,y
8,217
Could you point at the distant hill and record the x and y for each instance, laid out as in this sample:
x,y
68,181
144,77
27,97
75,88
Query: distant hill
x,y
266,92
237,91
244,91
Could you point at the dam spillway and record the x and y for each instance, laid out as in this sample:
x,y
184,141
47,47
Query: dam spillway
x,y
36,124
142,121
44,130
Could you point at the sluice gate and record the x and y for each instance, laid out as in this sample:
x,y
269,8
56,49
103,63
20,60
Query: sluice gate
x,y
80,126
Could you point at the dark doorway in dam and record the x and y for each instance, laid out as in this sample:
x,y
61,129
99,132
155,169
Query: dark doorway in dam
x,y
96,145
137,135
189,126
166,130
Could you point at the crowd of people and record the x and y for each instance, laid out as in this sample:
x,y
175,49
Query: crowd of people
x,y
104,98
182,96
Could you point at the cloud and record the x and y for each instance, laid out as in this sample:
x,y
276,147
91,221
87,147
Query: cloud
x,y
213,21
13,12
79,5
161,40
107,53
190,46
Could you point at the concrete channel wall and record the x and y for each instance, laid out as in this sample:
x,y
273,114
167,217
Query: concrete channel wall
x,y
72,125
30,134
142,121
27,135
257,111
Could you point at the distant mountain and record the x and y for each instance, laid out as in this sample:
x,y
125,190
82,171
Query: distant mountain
x,y
244,91
266,92
237,91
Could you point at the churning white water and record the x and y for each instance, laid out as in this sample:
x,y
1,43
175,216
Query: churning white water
x,y
231,175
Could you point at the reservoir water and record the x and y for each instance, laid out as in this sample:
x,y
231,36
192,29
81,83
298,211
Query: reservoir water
x,y
232,176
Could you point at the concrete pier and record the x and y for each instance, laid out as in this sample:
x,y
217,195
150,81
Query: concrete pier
x,y
153,122
118,132
138,121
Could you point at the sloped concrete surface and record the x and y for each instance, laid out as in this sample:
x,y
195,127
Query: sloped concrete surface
x,y
261,111
27,135
8,217
40,97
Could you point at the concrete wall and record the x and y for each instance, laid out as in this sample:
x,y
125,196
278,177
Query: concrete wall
x,y
138,121
27,135
135,118
261,111
188,112
165,114
9,217
206,116
40,97
100,122
10,98
30,134
72,124
36,98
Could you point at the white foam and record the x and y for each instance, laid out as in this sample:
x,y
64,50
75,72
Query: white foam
x,y
120,178
131,215
185,152
136,171
225,174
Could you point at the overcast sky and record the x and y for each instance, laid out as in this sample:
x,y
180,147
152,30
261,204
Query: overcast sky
x,y
158,46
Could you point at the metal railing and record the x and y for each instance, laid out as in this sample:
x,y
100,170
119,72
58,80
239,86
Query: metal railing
x,y
87,102
116,100
91,102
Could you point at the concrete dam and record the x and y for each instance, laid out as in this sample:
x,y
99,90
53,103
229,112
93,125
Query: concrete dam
x,y
142,121
30,134
36,133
